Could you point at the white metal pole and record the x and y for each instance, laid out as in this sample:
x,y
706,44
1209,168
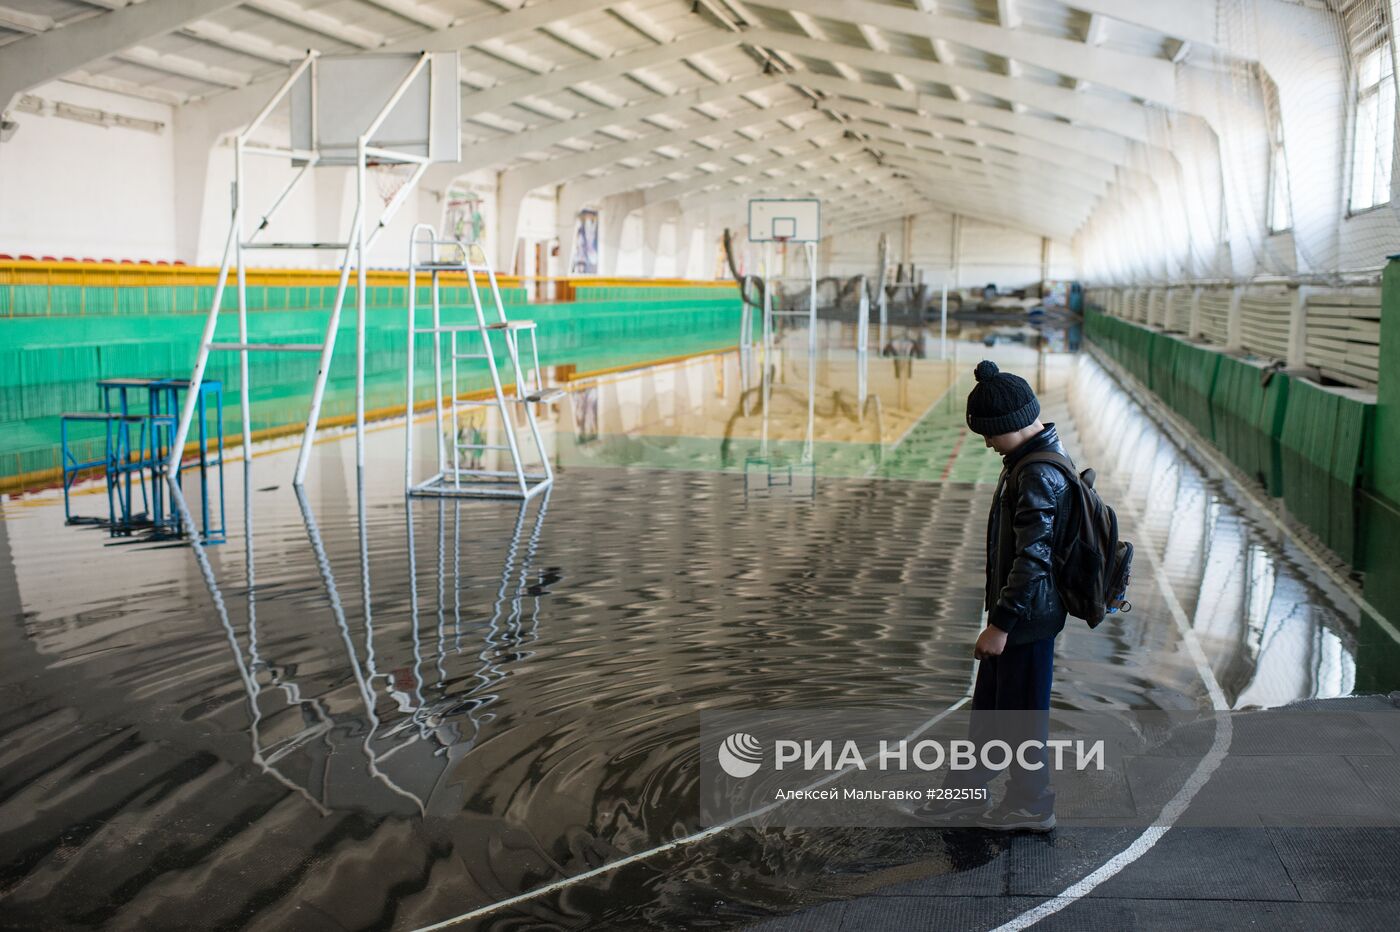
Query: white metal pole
x,y
412,337
811,250
361,287
245,405
201,359
318,392
943,324
437,372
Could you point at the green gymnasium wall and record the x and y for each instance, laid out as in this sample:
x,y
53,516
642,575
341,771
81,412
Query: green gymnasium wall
x,y
1305,443
1332,454
58,341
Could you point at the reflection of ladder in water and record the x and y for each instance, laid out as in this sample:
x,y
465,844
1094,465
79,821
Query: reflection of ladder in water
x,y
527,390
505,628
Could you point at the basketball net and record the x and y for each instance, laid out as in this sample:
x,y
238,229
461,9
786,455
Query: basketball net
x,y
390,177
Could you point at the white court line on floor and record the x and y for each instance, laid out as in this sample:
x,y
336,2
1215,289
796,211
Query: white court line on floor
x,y
686,840
1224,731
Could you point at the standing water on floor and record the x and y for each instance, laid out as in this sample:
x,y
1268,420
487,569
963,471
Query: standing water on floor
x,y
371,712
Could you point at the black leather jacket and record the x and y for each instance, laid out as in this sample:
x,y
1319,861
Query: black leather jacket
x,y
1021,596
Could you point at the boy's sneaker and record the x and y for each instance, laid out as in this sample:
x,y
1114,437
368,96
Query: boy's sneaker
x,y
952,813
1019,819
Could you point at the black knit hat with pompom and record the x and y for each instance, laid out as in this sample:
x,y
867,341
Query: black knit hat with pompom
x,y
1000,402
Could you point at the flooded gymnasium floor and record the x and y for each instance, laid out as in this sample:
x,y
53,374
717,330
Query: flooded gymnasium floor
x,y
390,714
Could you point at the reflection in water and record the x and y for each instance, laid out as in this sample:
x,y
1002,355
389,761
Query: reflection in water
x,y
505,700
1271,635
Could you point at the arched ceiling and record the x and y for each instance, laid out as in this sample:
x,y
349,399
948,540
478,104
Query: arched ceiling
x,y
1016,111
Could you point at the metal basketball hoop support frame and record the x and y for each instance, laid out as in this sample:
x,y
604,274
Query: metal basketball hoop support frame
x,y
355,247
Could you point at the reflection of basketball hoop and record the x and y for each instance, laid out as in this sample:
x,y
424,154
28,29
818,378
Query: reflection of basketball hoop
x,y
389,177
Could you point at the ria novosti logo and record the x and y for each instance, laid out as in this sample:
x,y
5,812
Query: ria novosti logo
x,y
740,755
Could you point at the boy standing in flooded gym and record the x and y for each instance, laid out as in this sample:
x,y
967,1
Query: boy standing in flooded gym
x,y
1024,611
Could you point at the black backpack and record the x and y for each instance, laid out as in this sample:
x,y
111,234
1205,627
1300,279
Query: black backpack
x,y
1091,564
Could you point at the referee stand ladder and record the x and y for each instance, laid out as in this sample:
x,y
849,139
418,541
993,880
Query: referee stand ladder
x,y
474,341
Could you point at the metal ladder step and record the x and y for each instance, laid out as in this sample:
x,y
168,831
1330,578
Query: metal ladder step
x,y
269,347
256,245
544,395
476,328
483,446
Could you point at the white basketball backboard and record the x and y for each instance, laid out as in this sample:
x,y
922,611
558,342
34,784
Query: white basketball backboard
x,y
790,219
338,98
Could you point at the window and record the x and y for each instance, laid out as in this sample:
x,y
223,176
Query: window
x,y
1280,204
1371,26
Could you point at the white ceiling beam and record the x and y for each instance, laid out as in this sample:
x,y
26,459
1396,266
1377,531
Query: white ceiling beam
x,y
1105,145
129,88
243,43
1192,20
42,58
183,67
1125,119
1097,32
488,26
500,150
1049,182
678,189
857,183
1005,201
835,190
878,43
1015,164
22,21
1007,207
1008,15
320,23
414,13
1152,79
1082,162
562,79
810,27
591,189
572,166
633,18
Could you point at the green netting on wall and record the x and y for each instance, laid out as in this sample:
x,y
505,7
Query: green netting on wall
x,y
50,364
642,293
75,300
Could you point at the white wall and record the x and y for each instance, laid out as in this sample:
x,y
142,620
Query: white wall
x,y
1192,204
984,252
69,188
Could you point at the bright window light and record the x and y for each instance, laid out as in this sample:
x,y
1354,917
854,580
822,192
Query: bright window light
x,y
1373,146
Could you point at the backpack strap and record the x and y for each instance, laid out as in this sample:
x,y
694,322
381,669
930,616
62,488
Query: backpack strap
x,y
1045,456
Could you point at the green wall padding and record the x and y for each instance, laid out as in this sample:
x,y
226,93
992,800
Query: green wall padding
x,y
1303,442
50,364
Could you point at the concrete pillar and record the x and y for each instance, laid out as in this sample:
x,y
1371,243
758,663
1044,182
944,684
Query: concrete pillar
x,y
194,138
654,217
1298,328
613,213
510,195
1233,335
1193,319
685,238
955,258
612,219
